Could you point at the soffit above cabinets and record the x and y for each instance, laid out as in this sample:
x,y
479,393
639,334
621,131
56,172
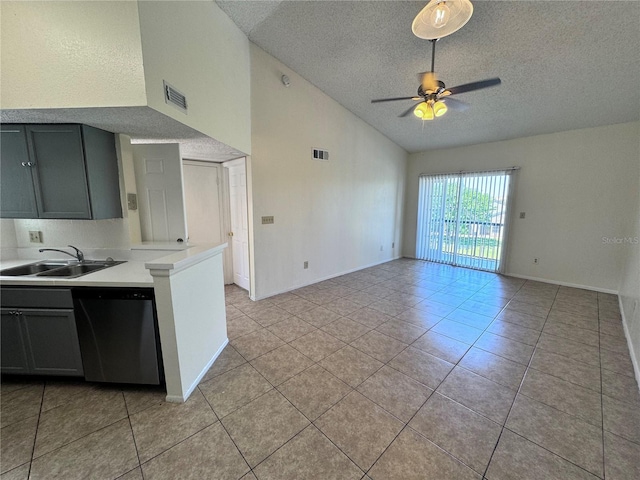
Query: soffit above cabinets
x,y
142,124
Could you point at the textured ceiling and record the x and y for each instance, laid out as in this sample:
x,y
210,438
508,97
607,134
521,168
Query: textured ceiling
x,y
564,64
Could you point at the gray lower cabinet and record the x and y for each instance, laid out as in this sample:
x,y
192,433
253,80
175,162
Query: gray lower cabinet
x,y
39,340
58,171
13,350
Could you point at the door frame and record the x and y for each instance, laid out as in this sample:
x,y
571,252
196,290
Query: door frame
x,y
243,161
223,201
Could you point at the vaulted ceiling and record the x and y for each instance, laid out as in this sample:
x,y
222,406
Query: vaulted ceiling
x,y
564,64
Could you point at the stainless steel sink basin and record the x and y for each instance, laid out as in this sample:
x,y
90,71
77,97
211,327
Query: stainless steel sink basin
x,y
31,269
58,269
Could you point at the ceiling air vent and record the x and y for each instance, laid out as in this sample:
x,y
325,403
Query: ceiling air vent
x,y
318,154
174,97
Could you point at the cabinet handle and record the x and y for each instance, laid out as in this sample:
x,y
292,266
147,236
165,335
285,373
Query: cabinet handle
x,y
24,164
28,164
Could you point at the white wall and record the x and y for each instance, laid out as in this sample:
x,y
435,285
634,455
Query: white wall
x,y
337,214
8,242
575,188
71,54
189,290
197,49
630,281
111,233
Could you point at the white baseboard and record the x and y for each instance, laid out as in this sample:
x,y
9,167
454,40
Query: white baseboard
x,y
183,398
632,353
329,277
564,284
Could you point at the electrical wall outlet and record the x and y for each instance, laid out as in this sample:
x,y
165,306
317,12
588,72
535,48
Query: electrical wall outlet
x,y
381,248
522,214
393,245
535,261
35,236
305,265
267,220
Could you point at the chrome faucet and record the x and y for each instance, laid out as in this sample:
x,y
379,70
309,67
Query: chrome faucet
x,y
78,255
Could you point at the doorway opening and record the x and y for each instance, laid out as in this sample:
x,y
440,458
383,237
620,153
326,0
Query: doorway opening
x,y
239,221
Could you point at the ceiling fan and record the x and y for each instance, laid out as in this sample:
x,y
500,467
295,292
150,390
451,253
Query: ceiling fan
x,y
434,96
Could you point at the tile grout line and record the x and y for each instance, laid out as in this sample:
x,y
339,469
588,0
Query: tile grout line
x,y
604,472
226,431
550,406
35,437
406,426
503,426
133,436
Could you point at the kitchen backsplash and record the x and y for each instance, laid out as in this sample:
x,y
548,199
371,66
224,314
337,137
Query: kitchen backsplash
x,y
112,233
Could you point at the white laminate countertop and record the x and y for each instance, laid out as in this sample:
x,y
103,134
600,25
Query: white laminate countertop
x,y
133,273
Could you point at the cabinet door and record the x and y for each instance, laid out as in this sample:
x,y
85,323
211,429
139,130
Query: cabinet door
x,y
13,352
59,173
52,340
17,198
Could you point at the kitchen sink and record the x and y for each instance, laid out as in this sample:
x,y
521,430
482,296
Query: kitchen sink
x,y
59,269
31,269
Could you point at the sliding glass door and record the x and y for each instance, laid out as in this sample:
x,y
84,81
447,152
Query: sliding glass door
x,y
462,218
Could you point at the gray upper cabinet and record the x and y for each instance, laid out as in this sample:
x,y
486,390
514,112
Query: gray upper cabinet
x,y
17,195
72,171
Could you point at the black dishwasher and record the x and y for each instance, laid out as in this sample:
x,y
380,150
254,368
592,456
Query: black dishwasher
x,y
118,333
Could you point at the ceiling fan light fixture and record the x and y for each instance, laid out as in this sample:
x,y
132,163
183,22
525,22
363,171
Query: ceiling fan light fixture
x,y
440,18
439,108
424,111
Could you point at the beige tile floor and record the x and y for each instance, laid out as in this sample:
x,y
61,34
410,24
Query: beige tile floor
x,y
408,370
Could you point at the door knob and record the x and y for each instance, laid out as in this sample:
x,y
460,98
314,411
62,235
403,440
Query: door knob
x,y
231,234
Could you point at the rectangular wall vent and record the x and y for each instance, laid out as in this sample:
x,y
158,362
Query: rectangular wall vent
x,y
319,154
174,97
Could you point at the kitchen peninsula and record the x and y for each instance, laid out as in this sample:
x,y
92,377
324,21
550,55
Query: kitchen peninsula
x,y
189,295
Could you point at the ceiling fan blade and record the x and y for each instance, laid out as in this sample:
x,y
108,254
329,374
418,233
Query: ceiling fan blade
x,y
407,111
470,87
394,99
455,104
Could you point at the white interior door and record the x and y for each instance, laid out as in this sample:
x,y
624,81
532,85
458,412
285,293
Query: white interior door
x,y
158,169
239,221
202,196
207,206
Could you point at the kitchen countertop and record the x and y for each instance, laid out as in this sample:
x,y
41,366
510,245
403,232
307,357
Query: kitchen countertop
x,y
132,273
135,272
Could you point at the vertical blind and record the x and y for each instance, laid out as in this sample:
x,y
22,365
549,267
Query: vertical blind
x,y
463,218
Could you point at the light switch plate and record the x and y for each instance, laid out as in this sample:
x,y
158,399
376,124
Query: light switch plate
x,y
267,220
132,201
